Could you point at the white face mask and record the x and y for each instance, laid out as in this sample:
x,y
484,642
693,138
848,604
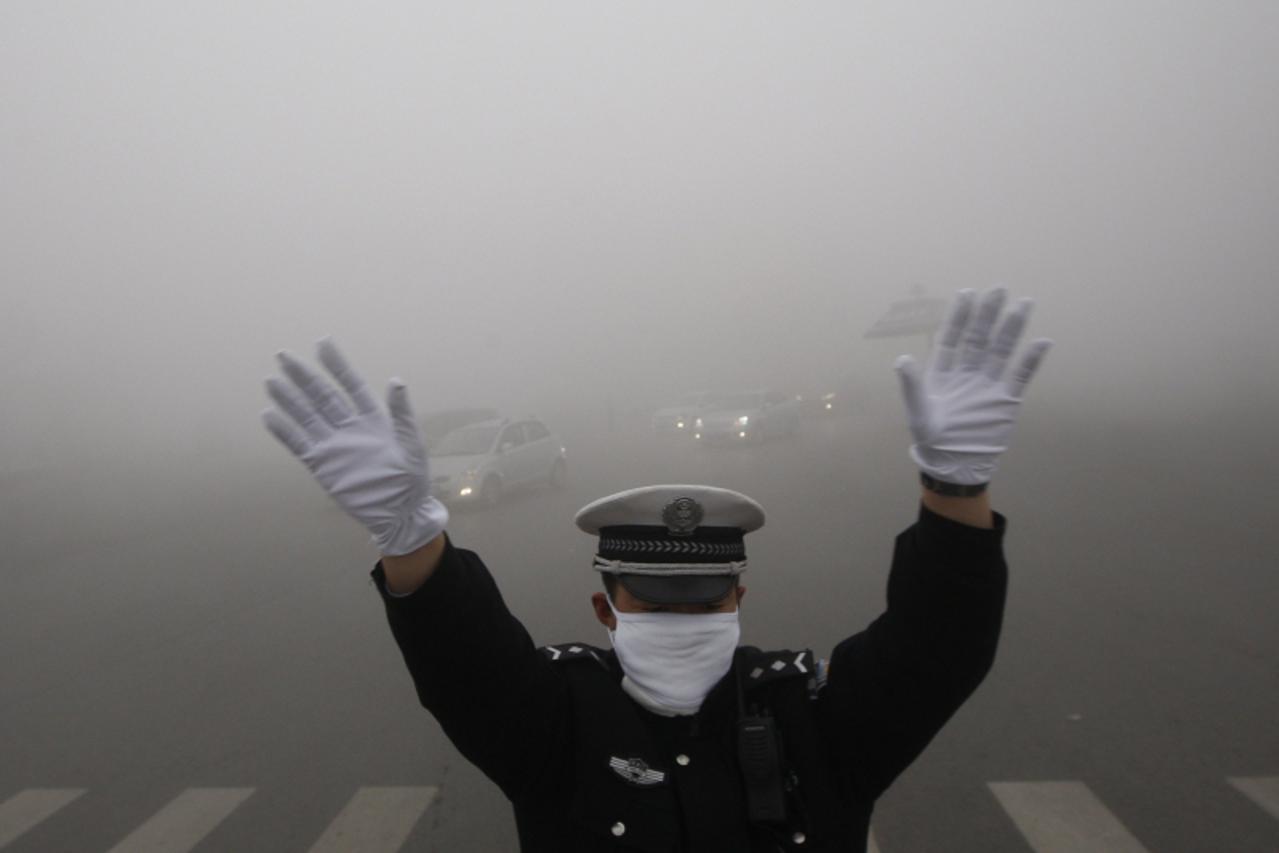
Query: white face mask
x,y
672,660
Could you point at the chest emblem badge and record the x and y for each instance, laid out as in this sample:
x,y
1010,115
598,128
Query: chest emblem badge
x,y
635,771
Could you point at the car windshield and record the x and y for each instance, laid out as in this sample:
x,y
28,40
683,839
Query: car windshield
x,y
466,442
736,401
697,399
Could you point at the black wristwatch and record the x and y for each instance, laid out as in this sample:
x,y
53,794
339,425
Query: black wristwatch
x,y
952,490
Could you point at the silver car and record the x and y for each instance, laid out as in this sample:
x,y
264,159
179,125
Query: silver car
x,y
751,416
479,463
678,419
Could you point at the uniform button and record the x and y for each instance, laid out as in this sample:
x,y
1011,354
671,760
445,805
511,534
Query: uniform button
x,y
682,760
799,838
619,828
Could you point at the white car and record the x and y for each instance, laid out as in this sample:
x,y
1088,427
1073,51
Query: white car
x,y
481,462
438,424
751,416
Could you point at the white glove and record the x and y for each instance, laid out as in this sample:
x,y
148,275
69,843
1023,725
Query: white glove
x,y
375,467
963,410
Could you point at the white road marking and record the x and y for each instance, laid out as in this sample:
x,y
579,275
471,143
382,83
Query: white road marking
x,y
376,820
1064,817
24,810
1262,790
1054,817
181,824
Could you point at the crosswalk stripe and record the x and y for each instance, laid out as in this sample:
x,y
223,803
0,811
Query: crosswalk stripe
x,y
376,820
27,808
1262,790
1064,817
1054,817
182,823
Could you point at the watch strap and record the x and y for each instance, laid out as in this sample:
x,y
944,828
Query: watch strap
x,y
954,490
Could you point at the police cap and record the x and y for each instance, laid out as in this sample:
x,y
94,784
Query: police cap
x,y
679,544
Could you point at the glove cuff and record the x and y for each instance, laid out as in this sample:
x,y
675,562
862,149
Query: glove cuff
x,y
954,468
427,521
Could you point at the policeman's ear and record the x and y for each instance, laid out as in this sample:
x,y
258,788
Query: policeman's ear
x,y
599,601
741,593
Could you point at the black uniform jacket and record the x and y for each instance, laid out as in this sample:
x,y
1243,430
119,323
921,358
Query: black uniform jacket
x,y
589,770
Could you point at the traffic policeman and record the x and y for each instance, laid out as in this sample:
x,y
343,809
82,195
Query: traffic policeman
x,y
677,738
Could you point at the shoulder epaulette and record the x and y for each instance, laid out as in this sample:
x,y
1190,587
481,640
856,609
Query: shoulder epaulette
x,y
573,651
763,667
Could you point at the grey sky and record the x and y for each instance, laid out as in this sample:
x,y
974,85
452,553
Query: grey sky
x,y
519,203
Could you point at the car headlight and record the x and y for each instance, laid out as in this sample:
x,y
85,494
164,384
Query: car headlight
x,y
679,424
465,493
743,420
698,423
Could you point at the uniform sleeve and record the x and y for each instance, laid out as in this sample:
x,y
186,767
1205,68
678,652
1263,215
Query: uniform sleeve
x,y
477,671
894,685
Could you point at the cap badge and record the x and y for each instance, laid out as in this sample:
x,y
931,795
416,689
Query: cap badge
x,y
681,516
635,771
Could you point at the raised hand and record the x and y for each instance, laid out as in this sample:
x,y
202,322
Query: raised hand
x,y
963,408
373,465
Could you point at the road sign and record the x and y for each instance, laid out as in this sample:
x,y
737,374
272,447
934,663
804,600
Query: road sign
x,y
918,315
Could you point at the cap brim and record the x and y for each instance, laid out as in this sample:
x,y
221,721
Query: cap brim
x,y
647,505
678,589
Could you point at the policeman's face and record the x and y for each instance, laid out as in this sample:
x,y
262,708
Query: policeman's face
x,y
627,603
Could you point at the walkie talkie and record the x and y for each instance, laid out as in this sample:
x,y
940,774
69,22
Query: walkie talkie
x,y
761,763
